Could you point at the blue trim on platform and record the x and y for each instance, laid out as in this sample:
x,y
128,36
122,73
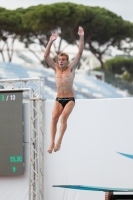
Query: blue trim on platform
x,y
95,188
126,155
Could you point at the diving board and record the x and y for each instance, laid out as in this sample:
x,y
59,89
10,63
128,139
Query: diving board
x,y
95,188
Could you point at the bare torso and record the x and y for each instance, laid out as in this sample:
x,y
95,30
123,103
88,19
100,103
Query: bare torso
x,y
64,82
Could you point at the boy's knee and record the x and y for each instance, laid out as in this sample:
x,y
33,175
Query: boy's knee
x,y
64,118
55,118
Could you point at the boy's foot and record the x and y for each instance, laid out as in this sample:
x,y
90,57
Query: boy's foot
x,y
50,149
57,146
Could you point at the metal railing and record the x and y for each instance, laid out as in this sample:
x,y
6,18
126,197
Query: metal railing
x,y
34,91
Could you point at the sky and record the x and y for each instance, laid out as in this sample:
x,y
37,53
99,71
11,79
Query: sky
x,y
122,8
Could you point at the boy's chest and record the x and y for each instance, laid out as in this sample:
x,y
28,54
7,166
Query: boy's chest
x,y
67,74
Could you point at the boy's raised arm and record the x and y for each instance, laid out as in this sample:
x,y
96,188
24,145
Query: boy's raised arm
x,y
74,64
48,59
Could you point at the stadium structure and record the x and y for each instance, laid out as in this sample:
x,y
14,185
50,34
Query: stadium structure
x,y
85,86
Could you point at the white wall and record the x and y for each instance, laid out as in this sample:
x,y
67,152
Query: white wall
x,y
97,130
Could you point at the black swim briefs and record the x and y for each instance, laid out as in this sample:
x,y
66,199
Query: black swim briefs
x,y
64,101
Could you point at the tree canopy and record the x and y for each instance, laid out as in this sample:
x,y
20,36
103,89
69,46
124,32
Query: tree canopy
x,y
35,24
10,27
102,30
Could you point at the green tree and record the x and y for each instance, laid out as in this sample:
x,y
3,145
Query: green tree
x,y
43,20
103,29
10,27
35,24
121,66
110,30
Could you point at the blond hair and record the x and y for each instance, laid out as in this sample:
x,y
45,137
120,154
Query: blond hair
x,y
64,54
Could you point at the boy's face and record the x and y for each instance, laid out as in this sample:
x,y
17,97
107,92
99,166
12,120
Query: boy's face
x,y
62,61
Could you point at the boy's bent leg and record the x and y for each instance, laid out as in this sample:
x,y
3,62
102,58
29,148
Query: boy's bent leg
x,y
65,114
57,110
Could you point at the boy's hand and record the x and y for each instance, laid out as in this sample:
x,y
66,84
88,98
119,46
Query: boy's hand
x,y
54,36
81,31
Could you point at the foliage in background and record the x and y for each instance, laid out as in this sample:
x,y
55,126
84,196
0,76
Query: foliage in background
x,y
119,73
104,29
10,27
121,67
35,24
